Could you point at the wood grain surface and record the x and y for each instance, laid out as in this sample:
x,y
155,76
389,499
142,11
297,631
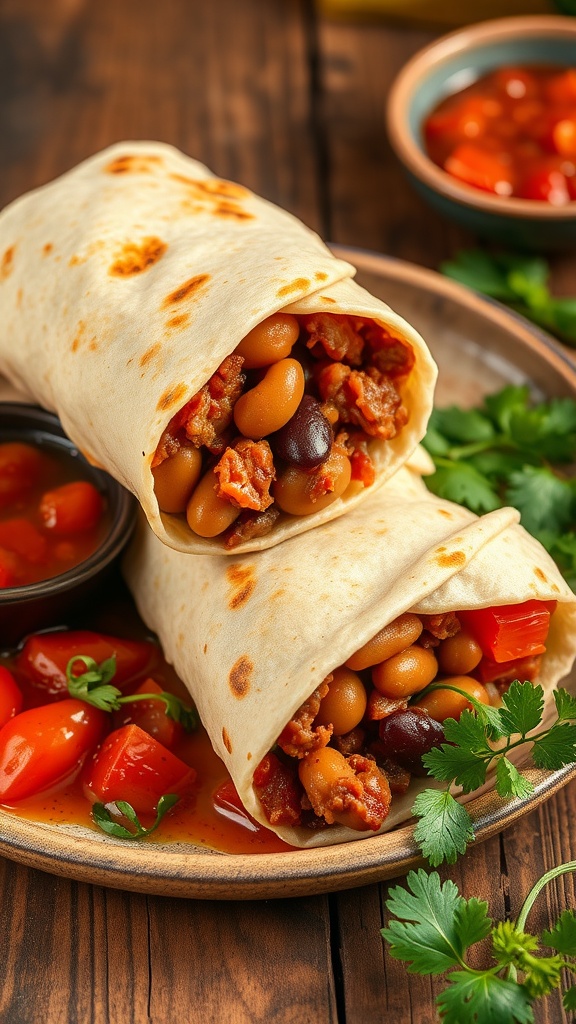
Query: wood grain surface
x,y
267,93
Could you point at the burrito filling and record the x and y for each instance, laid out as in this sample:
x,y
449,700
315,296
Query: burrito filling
x,y
285,424
360,736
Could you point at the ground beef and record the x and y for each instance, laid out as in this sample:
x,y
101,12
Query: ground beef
x,y
249,525
207,415
334,335
366,399
299,737
245,473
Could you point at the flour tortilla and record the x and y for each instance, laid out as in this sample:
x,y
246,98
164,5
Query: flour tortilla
x,y
253,637
126,282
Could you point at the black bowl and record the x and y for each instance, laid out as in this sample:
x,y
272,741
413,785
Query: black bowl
x,y
50,602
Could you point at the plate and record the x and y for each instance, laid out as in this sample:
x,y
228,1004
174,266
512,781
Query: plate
x,y
479,346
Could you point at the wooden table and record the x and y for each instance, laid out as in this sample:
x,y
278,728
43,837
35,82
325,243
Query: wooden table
x,y
269,94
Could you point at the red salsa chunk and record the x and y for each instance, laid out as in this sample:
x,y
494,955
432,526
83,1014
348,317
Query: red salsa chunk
x,y
512,132
51,516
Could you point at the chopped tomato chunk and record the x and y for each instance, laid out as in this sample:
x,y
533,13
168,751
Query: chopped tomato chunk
x,y
133,766
151,716
11,699
491,172
71,508
510,632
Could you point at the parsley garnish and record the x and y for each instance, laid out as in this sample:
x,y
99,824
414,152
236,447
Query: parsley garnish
x,y
434,927
519,281
479,741
103,818
511,452
94,687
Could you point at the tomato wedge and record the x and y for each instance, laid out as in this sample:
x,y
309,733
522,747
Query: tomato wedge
x,y
44,657
151,716
510,632
133,766
11,699
44,746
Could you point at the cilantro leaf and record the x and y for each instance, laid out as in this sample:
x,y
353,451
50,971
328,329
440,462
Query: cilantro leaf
x,y
562,937
522,707
565,705
449,763
501,405
508,941
435,924
461,483
555,748
462,425
542,498
102,817
480,271
509,781
484,999
569,998
445,827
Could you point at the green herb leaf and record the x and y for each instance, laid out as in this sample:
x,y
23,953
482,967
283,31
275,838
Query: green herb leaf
x,y
565,705
484,999
103,817
522,707
462,425
569,999
509,781
445,827
555,748
562,937
480,271
543,499
436,925
504,403
461,483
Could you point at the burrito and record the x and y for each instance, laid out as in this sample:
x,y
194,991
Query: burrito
x,y
206,349
307,662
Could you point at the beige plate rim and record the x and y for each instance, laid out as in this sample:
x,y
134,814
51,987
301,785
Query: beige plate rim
x,y
176,870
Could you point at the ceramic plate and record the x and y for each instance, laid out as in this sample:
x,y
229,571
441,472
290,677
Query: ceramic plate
x,y
479,347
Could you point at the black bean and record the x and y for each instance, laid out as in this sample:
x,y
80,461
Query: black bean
x,y
406,735
306,439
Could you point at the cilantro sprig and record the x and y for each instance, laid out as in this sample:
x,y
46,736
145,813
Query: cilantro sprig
x,y
94,687
433,927
478,742
519,281
103,817
510,451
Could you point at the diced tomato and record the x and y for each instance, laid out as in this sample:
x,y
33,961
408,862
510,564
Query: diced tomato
x,y
44,746
227,796
564,136
151,716
561,88
133,766
19,469
517,83
491,172
71,508
22,538
510,632
547,184
10,569
489,671
44,657
11,699
464,120
277,789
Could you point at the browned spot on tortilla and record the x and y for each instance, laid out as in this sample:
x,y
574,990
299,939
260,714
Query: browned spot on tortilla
x,y
75,344
19,297
150,353
171,397
205,648
93,346
79,332
440,550
178,321
541,575
224,209
7,265
277,594
190,287
555,588
74,261
239,677
296,286
242,581
133,163
444,512
327,298
320,276
453,560
137,256
226,740
249,756
219,187
47,249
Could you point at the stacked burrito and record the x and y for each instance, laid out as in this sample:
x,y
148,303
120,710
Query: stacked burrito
x,y
210,352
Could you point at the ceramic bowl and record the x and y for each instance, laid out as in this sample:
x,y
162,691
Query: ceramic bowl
x,y
448,65
24,609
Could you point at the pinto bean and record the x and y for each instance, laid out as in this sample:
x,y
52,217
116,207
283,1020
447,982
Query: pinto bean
x,y
405,673
269,405
206,513
295,489
269,341
176,477
459,654
344,705
443,704
393,638
352,792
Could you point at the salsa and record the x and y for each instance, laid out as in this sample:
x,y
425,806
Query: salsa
x,y
512,132
52,517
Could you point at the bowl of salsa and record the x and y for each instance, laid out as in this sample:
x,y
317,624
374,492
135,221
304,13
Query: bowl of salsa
x,y
484,122
63,522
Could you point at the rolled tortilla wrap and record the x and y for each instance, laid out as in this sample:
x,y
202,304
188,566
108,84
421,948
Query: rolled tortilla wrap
x,y
253,637
127,282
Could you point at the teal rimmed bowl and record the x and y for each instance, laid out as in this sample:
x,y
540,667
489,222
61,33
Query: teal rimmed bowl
x,y
450,64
